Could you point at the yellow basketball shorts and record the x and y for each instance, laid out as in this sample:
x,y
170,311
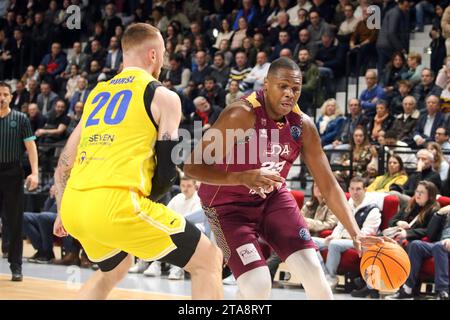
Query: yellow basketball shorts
x,y
112,222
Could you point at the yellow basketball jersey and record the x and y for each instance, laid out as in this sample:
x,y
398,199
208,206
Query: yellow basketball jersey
x,y
117,136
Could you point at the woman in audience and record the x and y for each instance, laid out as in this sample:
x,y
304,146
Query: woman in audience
x,y
413,221
317,214
393,73
395,175
440,165
330,121
362,153
382,121
225,33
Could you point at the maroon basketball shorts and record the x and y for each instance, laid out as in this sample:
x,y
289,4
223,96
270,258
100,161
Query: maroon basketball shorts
x,y
276,219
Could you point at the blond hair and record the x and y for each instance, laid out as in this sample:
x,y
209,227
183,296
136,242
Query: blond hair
x,y
323,109
416,56
137,34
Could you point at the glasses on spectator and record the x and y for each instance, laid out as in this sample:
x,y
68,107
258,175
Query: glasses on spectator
x,y
420,193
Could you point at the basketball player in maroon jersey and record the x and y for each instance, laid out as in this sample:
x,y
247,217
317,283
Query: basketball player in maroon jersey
x,y
248,200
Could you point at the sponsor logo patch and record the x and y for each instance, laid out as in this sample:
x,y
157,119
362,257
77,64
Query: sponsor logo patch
x,y
248,253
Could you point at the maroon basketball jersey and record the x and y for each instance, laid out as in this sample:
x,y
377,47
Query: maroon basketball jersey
x,y
271,145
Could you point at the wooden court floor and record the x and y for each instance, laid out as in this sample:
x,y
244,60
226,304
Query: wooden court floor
x,y
45,289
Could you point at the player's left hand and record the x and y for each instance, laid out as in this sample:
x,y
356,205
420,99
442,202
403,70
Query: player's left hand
x,y
58,228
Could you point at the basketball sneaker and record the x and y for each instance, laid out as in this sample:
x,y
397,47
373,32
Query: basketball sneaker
x,y
154,270
176,273
401,294
443,295
139,267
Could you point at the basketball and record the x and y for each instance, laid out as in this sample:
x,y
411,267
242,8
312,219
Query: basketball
x,y
385,267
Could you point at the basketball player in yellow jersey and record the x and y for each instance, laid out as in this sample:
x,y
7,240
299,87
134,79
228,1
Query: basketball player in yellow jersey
x,y
117,157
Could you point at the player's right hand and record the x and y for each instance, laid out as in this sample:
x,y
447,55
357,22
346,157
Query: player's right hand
x,y
260,180
58,228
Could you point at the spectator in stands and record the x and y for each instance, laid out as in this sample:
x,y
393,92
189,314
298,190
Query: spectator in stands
x,y
177,74
250,50
324,8
330,59
72,82
368,218
404,90
38,228
260,44
20,96
418,250
75,117
198,75
304,42
348,26
413,221
382,121
78,58
97,53
293,12
247,11
392,74
93,74
55,62
415,68
234,92
437,46
422,8
395,174
37,120
40,35
56,125
317,27
286,53
80,94
394,34
226,52
21,50
284,41
219,71
317,214
33,91
425,88
225,33
213,92
46,99
205,112
240,34
371,94
111,20
424,172
405,123
29,74
283,25
394,146
262,12
441,137
427,124
330,121
445,98
173,14
282,7
362,153
240,71
259,72
113,60
352,121
440,165
312,95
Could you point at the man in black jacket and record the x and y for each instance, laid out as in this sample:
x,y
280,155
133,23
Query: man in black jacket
x,y
394,34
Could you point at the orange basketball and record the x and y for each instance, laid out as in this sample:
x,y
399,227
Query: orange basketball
x,y
385,267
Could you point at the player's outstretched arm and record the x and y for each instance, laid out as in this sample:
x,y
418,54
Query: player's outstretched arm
x,y
317,163
237,116
62,174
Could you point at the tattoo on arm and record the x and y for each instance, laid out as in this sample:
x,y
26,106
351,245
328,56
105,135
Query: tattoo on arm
x,y
166,136
62,175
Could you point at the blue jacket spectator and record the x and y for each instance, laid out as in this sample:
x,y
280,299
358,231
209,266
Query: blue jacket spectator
x,y
330,122
428,123
248,12
372,94
56,61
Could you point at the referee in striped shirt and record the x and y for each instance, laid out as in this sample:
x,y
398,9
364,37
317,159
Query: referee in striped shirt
x,y
15,136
